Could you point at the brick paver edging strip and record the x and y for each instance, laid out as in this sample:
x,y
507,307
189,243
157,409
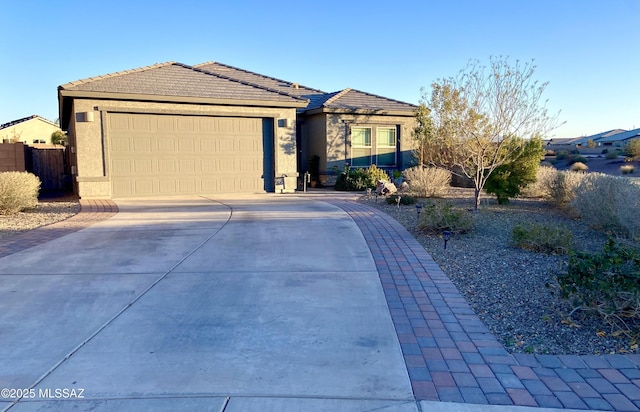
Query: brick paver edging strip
x,y
91,211
451,356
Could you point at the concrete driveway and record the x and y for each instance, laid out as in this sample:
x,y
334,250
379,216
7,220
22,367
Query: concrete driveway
x,y
243,303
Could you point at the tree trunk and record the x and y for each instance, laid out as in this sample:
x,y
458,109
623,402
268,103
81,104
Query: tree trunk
x,y
476,194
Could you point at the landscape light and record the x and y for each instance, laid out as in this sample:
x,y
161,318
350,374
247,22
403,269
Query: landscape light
x,y
446,235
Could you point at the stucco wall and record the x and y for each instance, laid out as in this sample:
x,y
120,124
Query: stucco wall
x,y
90,144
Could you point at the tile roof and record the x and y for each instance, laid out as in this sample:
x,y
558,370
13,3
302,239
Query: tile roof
x,y
345,99
350,99
179,80
283,86
595,137
621,136
24,119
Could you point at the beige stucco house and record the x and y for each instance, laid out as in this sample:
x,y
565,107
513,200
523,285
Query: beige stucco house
x,y
171,129
28,130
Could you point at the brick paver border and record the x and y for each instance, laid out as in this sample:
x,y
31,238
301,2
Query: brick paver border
x,y
91,211
451,356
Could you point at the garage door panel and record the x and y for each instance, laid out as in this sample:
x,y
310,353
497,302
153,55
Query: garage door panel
x,y
143,187
141,144
186,144
118,121
186,166
120,144
186,124
226,146
124,188
247,165
167,144
209,185
121,167
166,166
208,145
166,123
143,166
141,123
166,187
184,154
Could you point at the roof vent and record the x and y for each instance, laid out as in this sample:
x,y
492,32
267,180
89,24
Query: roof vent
x,y
295,85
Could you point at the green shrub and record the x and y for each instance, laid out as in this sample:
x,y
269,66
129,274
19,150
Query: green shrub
x,y
563,187
439,216
58,137
509,179
607,283
404,199
542,238
632,149
428,181
18,191
611,155
562,155
374,174
579,167
358,179
609,203
577,158
541,188
352,180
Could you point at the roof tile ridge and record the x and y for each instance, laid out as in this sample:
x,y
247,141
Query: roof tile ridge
x,y
336,96
37,116
257,74
115,74
383,97
244,82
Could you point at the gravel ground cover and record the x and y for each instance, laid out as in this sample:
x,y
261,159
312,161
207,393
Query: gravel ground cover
x,y
511,289
45,213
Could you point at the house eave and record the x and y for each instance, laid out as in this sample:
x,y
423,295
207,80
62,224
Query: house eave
x,y
81,94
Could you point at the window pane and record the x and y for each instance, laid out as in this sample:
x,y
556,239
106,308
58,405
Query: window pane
x,y
361,136
386,137
360,157
386,157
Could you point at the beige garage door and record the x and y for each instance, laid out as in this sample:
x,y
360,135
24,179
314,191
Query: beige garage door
x,y
157,155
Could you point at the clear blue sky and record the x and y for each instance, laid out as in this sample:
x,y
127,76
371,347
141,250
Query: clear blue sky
x,y
588,50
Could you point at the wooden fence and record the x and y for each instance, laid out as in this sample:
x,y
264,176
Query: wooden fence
x,y
48,162
49,165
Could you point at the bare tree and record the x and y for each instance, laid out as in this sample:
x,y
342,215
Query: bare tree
x,y
479,120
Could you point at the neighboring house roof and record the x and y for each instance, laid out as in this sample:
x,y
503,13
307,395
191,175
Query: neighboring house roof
x,y
355,100
178,81
24,119
620,137
596,137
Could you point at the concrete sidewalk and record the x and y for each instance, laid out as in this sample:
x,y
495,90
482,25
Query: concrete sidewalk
x,y
274,303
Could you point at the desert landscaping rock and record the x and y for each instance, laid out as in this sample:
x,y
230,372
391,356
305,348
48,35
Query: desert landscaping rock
x,y
45,213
